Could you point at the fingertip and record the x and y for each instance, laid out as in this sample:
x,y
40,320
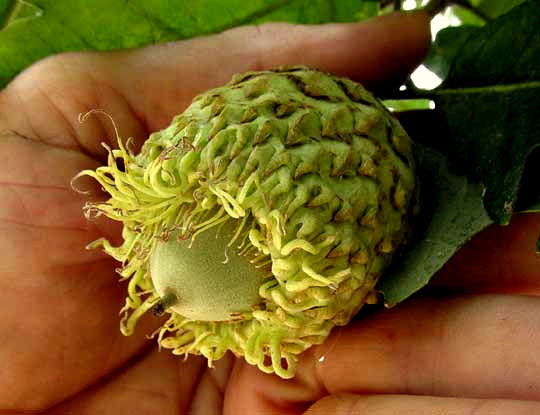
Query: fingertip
x,y
379,53
160,80
389,48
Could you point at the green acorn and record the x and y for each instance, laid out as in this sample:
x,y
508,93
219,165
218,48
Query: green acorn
x,y
262,217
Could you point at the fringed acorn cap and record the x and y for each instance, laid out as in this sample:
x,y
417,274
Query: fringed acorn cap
x,y
304,176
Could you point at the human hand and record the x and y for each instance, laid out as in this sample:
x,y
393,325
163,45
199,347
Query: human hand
x,y
62,352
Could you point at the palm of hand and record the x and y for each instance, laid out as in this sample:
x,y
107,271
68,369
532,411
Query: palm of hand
x,y
62,349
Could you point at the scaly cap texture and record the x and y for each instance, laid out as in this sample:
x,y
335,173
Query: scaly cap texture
x,y
317,180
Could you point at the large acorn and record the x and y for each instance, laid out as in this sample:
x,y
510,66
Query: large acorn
x,y
262,217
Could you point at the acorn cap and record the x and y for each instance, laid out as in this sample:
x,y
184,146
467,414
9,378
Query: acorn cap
x,y
314,181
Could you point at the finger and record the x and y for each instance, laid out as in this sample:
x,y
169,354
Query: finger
x,y
500,259
418,405
143,89
34,190
158,382
475,347
479,347
375,52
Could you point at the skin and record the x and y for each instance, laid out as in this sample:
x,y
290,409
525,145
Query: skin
x,y
467,345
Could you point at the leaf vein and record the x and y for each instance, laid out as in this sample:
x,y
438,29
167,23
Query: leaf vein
x,y
490,88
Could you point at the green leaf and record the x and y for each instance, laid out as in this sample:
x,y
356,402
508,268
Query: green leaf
x,y
495,8
504,51
446,46
529,193
466,16
452,212
365,10
489,105
17,10
39,28
495,130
